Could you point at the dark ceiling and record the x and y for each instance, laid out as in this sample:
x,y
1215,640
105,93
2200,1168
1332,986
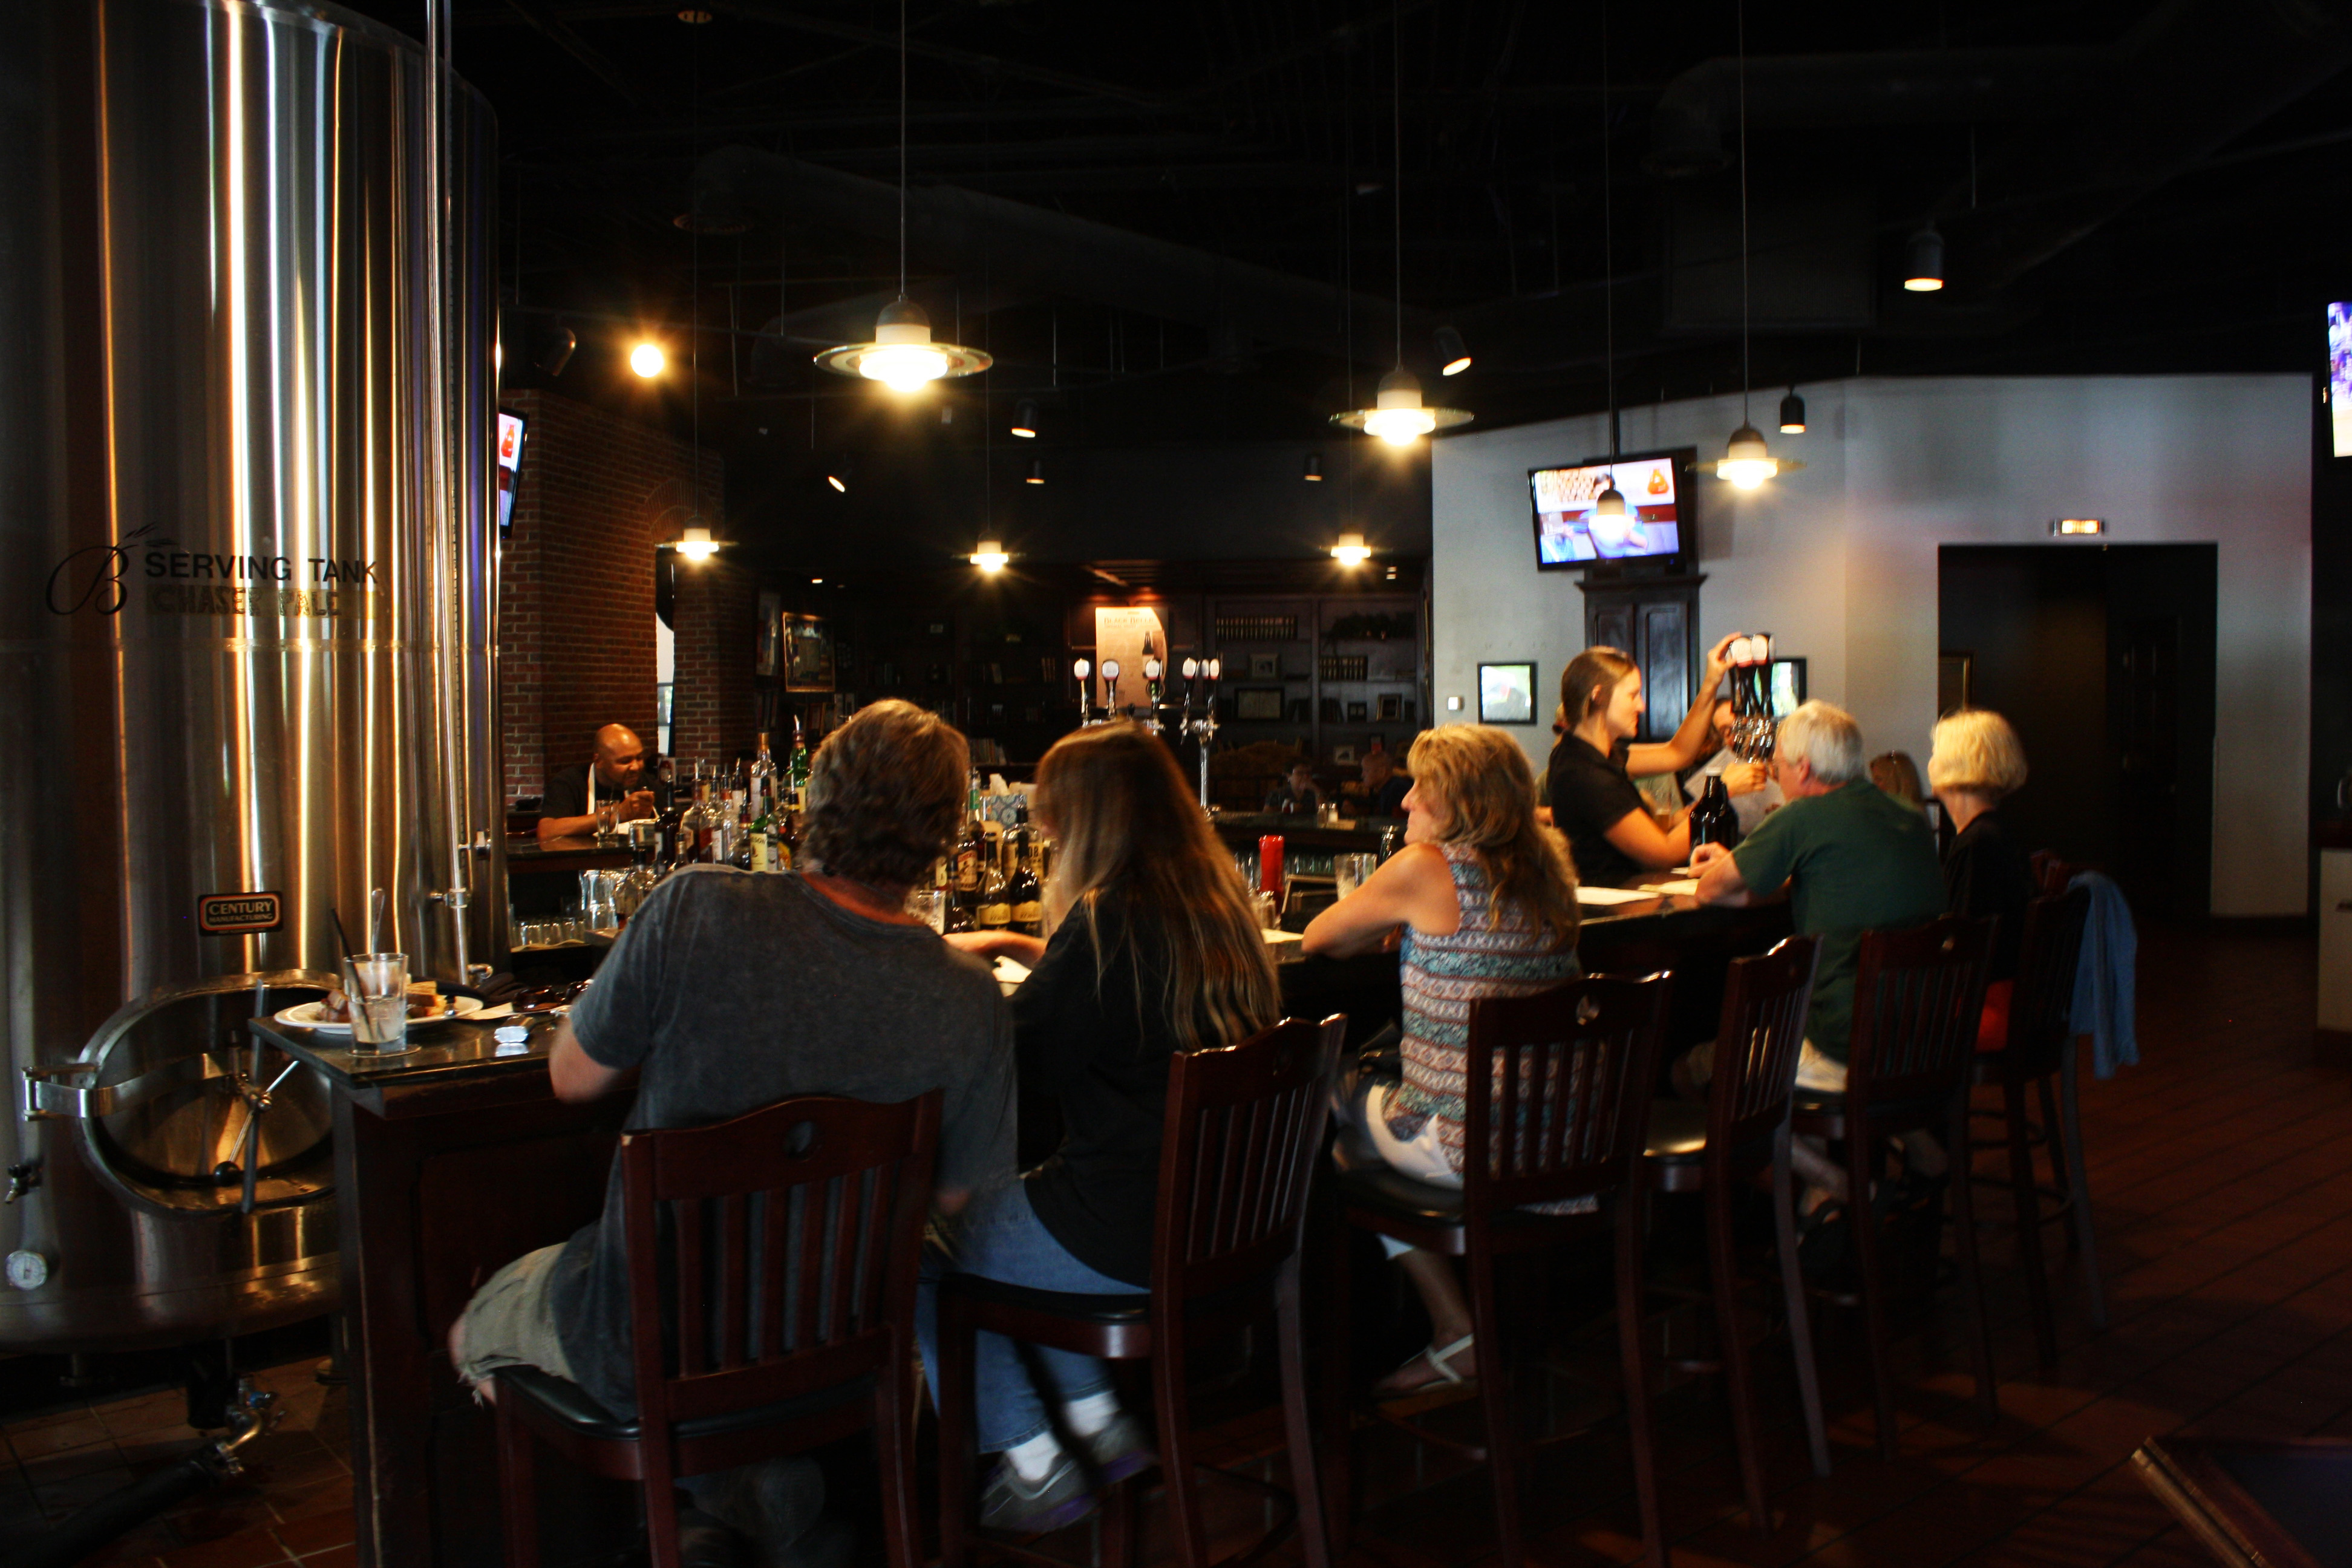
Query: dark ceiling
x,y
1173,223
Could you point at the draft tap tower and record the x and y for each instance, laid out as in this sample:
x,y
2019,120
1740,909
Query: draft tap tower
x,y
1200,676
1754,729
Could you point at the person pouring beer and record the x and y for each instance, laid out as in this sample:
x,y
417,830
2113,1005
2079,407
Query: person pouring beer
x,y
1590,781
615,779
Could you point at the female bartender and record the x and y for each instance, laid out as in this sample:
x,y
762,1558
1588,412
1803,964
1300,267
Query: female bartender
x,y
1611,833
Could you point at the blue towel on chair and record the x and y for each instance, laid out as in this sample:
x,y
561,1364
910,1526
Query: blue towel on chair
x,y
2103,978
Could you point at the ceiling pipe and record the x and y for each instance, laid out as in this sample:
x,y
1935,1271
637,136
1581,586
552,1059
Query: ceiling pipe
x,y
1045,252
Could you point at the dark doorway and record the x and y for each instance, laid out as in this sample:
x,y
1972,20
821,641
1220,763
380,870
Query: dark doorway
x,y
2104,660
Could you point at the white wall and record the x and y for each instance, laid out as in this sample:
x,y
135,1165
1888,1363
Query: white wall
x,y
1838,561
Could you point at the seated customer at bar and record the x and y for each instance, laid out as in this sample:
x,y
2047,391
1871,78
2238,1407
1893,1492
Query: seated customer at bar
x,y
1590,781
1976,764
729,993
1852,859
1484,905
1295,791
1384,787
1749,784
1898,776
617,778
1154,950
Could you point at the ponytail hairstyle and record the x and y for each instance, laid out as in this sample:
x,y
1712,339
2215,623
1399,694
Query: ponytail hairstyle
x,y
1487,793
1594,669
1131,835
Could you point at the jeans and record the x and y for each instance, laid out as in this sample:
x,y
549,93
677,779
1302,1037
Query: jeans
x,y
999,1237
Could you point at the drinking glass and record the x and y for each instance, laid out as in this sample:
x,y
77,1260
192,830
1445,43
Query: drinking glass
x,y
1353,870
932,904
1269,911
377,984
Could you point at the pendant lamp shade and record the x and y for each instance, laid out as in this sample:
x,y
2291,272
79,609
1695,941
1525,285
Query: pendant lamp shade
x,y
1024,419
1398,414
1792,413
1923,261
1747,463
1351,550
1453,353
990,556
902,355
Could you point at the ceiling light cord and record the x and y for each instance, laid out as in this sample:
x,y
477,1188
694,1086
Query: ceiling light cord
x,y
1739,10
1396,138
902,149
1608,249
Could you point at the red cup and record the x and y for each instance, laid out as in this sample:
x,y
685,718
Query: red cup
x,y
1269,863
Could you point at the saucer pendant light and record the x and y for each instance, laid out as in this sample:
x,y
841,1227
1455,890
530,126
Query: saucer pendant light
x,y
1398,414
1746,462
902,355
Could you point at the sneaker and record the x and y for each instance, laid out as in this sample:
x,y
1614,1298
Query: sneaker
x,y
1120,1451
1062,1498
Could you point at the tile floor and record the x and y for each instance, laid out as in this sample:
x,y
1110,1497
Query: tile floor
x,y
2222,1168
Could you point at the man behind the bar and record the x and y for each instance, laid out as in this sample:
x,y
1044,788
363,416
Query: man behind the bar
x,y
727,992
1853,859
1384,787
618,777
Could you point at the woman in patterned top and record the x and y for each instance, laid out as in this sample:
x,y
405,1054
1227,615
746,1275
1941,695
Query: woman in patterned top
x,y
1483,903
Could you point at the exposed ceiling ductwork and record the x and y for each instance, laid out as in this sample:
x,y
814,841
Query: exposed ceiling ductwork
x,y
1042,252
2125,119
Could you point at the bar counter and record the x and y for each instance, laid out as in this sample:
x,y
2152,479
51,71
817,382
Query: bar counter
x,y
454,1158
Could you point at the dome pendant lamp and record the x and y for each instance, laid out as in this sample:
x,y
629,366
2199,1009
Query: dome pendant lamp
x,y
902,354
1746,462
1397,415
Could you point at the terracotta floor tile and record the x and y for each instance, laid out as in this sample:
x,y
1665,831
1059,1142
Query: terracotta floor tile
x,y
252,1548
34,1441
318,1531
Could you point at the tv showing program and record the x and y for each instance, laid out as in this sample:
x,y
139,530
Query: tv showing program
x,y
510,466
1657,521
2340,377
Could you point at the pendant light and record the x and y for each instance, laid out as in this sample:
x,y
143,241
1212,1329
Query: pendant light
x,y
902,355
1351,550
989,556
1923,261
1792,413
1024,419
1397,415
1746,462
1610,501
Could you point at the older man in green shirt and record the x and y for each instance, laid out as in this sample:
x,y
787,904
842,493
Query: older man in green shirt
x,y
1853,859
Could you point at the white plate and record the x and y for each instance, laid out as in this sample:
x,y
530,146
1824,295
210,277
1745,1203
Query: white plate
x,y
306,1017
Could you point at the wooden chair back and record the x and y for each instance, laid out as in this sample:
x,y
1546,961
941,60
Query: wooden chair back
x,y
2041,1007
1243,1136
2051,875
1757,1042
775,1254
1918,996
1557,1094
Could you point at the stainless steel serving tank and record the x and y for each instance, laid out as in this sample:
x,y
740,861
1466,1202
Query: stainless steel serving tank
x,y
247,651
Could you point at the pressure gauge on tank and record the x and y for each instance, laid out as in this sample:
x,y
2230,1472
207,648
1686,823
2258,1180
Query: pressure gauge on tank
x,y
27,1271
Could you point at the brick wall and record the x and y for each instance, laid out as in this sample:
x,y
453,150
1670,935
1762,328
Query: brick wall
x,y
716,622
576,580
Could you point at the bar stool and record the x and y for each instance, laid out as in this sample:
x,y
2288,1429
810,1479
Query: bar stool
x,y
1570,1072
779,1252
1743,1128
1917,997
1243,1136
2038,1050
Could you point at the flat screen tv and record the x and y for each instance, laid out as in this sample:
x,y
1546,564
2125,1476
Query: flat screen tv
x,y
1661,521
509,467
2339,376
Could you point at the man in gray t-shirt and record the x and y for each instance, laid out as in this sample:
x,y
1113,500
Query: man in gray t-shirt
x,y
727,992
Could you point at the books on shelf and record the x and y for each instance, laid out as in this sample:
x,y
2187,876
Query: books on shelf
x,y
1257,628
1345,665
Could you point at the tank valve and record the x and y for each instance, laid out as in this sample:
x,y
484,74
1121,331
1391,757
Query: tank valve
x,y
22,1179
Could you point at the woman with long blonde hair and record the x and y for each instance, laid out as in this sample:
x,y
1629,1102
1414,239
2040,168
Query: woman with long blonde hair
x,y
1482,902
1153,950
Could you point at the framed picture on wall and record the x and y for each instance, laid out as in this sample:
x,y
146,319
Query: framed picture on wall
x,y
808,654
1265,667
1392,707
1258,702
1358,711
769,654
1507,693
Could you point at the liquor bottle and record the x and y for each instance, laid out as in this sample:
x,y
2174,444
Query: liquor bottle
x,y
698,828
673,837
785,839
1026,895
736,818
995,909
763,825
1712,820
971,859
763,779
797,770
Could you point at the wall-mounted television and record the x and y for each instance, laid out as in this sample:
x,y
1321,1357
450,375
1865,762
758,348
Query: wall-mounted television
x,y
2339,376
1661,521
509,469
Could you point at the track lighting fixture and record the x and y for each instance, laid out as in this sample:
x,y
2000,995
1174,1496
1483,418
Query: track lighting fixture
x,y
1453,353
1024,419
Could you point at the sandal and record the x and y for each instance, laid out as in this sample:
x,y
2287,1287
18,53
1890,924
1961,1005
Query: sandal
x,y
1441,1361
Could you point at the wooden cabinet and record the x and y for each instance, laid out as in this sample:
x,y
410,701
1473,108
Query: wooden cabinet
x,y
1654,620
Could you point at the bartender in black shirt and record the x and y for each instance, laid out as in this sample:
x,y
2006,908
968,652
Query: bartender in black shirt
x,y
616,778
1611,833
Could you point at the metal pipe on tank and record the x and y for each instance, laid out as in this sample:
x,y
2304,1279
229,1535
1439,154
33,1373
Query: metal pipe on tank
x,y
246,585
